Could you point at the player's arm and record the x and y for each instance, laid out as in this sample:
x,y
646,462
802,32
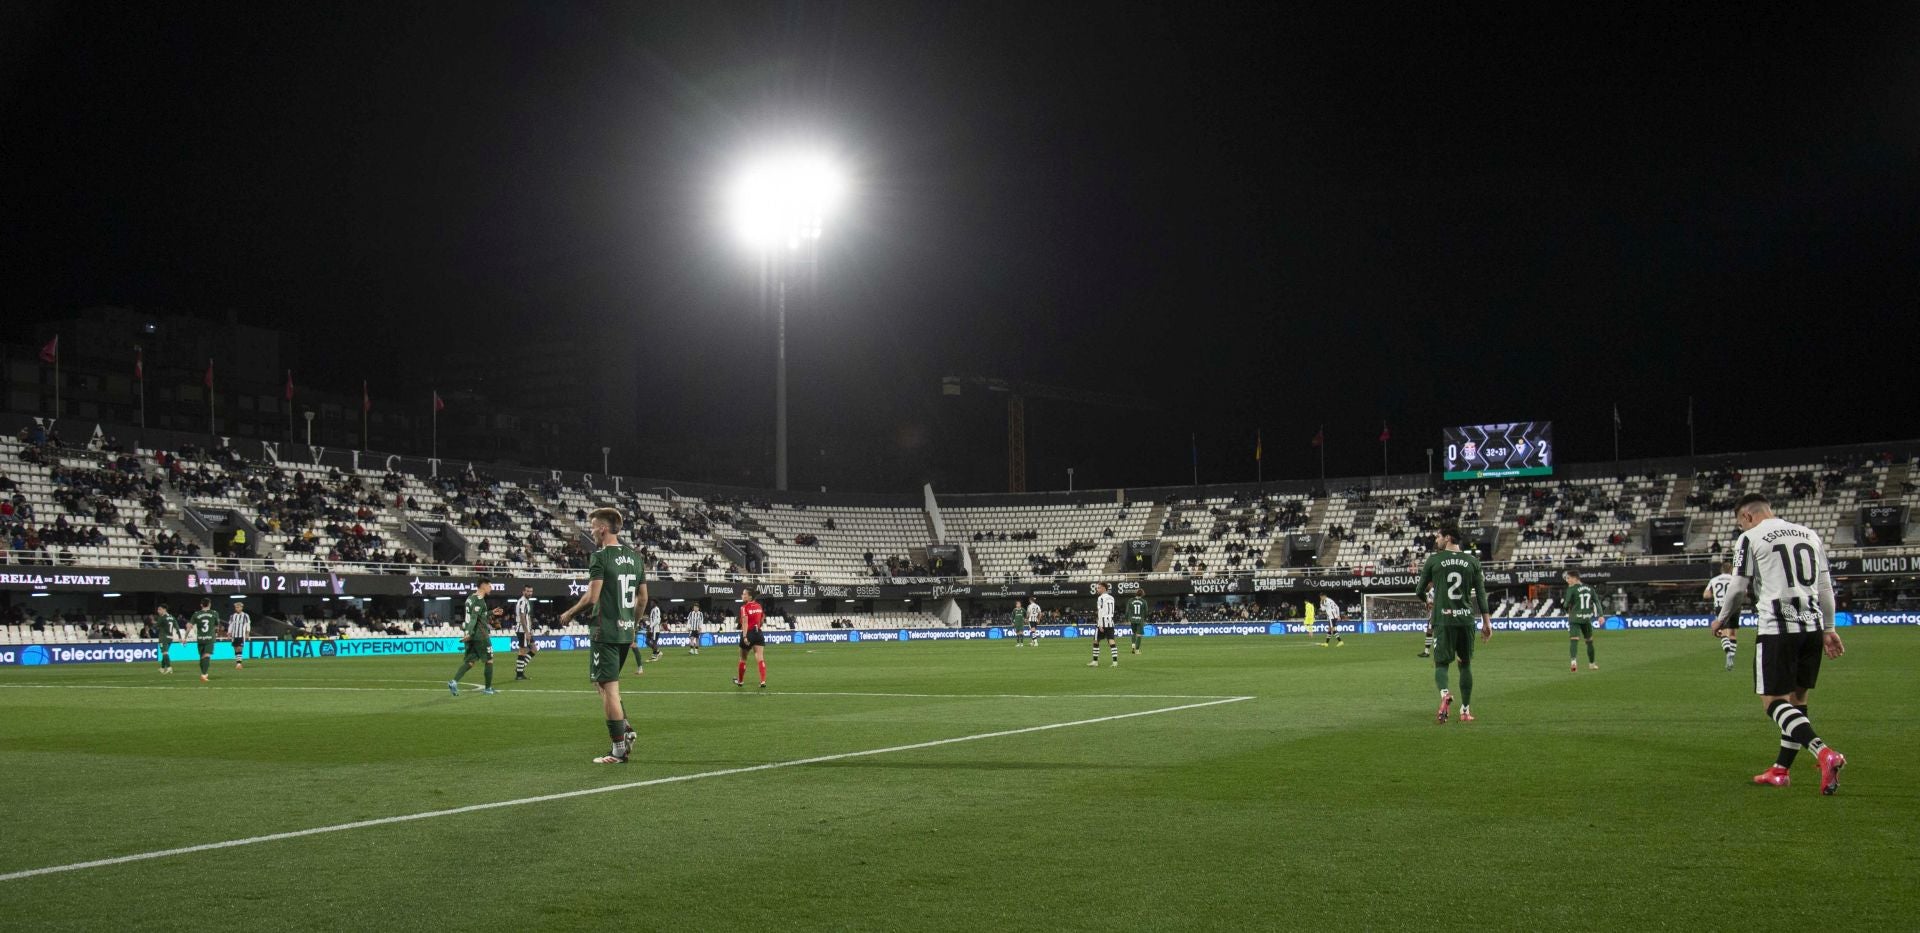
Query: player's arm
x,y
1729,616
591,596
640,599
1480,602
1823,589
1706,592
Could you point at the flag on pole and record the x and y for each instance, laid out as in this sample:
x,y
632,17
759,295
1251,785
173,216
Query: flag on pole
x,y
1689,411
207,380
50,353
438,405
289,391
1320,437
1616,416
1385,435
366,401
139,368
1256,444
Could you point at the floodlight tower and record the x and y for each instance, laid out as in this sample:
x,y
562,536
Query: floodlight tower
x,y
780,205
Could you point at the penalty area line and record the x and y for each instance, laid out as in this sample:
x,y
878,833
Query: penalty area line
x,y
590,791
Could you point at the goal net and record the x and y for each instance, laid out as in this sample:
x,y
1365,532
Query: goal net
x,y
1379,606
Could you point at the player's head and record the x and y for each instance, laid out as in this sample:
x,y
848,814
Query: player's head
x,y
206,602
1573,576
1100,588
746,594
160,609
526,591
1752,509
484,587
1448,536
605,523
238,605
1726,566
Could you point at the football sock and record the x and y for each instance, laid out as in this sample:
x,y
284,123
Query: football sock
x,y
464,668
1096,651
520,664
1466,684
165,662
1428,646
763,672
1440,677
1788,749
206,663
489,675
1589,651
1136,643
743,670
1794,725
1573,649
1728,645
1114,646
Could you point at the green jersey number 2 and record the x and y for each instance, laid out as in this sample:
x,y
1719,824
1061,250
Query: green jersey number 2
x,y
1454,580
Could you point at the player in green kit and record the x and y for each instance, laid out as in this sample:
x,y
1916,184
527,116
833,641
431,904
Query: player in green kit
x,y
164,628
1582,607
1137,619
1459,594
206,628
1014,626
479,638
616,589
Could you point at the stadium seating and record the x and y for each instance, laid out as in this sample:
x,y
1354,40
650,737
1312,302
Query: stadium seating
x,y
306,516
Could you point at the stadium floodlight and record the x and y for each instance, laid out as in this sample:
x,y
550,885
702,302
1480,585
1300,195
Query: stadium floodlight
x,y
784,200
779,205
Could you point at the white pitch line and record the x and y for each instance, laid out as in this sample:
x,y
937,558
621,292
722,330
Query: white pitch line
x,y
590,791
442,685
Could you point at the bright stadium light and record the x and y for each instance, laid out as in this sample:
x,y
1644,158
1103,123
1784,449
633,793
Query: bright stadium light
x,y
785,200
779,206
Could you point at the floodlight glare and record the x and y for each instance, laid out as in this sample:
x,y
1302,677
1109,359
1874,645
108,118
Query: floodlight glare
x,y
784,199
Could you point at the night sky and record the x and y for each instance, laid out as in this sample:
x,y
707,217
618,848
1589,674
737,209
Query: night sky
x,y
1262,218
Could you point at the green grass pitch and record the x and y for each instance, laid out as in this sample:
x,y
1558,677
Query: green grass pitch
x,y
1617,799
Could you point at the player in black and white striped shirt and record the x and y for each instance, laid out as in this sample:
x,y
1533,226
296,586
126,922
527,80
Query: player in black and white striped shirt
x,y
523,633
1785,566
1716,590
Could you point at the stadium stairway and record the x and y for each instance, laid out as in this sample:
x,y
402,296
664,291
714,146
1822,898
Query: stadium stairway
x,y
1677,499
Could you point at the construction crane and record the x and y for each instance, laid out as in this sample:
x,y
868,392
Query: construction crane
x,y
1017,394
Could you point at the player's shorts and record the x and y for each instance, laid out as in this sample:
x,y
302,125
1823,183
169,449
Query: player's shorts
x,y
1139,628
1783,664
525,641
752,637
1104,631
480,651
603,667
206,647
1451,643
1582,629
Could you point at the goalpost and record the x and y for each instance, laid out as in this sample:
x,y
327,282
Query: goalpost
x,y
1379,606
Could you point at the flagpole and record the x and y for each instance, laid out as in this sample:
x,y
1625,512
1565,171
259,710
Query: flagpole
x,y
1616,437
436,424
1193,441
1259,464
1690,426
1323,456
56,381
289,396
212,430
363,414
140,366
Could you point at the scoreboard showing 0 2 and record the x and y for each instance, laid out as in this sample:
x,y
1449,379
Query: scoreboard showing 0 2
x,y
1477,451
